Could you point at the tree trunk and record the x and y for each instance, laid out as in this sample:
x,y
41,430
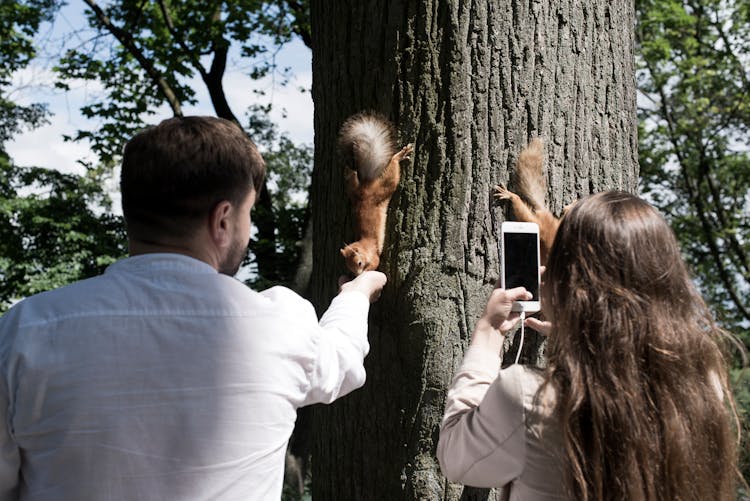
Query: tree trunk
x,y
469,83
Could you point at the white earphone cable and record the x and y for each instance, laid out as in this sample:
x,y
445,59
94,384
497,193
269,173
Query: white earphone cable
x,y
520,344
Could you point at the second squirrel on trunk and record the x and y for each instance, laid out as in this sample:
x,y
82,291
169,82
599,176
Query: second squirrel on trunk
x,y
532,188
368,145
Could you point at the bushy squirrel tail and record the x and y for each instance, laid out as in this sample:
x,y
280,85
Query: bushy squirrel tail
x,y
367,142
530,182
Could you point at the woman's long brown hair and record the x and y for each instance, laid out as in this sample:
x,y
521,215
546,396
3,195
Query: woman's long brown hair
x,y
634,359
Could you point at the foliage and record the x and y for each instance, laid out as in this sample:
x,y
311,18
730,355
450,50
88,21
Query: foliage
x,y
160,48
19,21
51,233
163,53
694,120
288,177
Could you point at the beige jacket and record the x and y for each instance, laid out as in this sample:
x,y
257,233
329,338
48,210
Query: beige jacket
x,y
496,433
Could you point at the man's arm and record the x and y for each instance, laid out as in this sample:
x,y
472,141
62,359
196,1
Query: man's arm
x,y
342,340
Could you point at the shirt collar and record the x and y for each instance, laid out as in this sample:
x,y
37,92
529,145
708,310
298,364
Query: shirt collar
x,y
161,261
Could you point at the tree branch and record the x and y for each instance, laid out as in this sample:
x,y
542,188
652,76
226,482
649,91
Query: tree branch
x,y
127,41
187,52
214,85
301,14
213,77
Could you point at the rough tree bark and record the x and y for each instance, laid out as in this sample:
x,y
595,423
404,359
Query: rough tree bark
x,y
469,82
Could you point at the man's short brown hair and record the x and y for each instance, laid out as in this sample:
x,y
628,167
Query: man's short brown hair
x,y
173,174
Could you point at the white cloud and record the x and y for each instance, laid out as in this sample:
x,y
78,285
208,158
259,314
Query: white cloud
x,y
45,147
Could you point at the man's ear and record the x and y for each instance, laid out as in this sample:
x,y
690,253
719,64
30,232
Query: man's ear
x,y
220,224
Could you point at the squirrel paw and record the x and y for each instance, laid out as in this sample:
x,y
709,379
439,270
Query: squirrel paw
x,y
503,193
404,153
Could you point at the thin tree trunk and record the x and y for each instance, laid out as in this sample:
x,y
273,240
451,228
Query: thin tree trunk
x,y
469,83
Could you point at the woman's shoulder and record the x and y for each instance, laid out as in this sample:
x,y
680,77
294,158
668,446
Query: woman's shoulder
x,y
521,388
538,402
518,384
524,378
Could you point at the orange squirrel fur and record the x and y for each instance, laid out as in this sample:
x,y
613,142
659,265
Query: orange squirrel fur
x,y
531,186
367,143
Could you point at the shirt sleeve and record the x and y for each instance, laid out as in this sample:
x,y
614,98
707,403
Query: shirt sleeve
x,y
482,436
341,349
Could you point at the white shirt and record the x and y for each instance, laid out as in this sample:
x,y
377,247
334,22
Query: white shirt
x,y
163,379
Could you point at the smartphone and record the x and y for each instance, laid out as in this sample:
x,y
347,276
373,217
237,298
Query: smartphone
x,y
519,258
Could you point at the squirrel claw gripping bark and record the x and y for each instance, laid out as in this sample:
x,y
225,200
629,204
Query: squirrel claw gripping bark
x,y
502,193
404,153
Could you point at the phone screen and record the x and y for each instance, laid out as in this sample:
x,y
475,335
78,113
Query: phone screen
x,y
522,262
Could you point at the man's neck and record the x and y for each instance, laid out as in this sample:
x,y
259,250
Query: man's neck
x,y
140,247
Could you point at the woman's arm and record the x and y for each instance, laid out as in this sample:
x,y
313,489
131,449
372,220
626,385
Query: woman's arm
x,y
483,445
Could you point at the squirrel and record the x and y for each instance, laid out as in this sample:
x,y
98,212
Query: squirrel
x,y
368,146
531,186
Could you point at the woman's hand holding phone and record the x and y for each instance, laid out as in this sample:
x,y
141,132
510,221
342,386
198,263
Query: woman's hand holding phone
x,y
498,318
498,313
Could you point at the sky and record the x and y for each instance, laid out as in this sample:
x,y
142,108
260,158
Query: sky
x,y
45,146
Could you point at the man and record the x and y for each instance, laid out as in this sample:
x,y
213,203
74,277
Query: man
x,y
165,378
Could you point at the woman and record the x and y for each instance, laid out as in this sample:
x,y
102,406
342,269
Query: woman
x,y
633,404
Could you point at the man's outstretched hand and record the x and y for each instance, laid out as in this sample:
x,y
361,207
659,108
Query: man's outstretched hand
x,y
369,283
